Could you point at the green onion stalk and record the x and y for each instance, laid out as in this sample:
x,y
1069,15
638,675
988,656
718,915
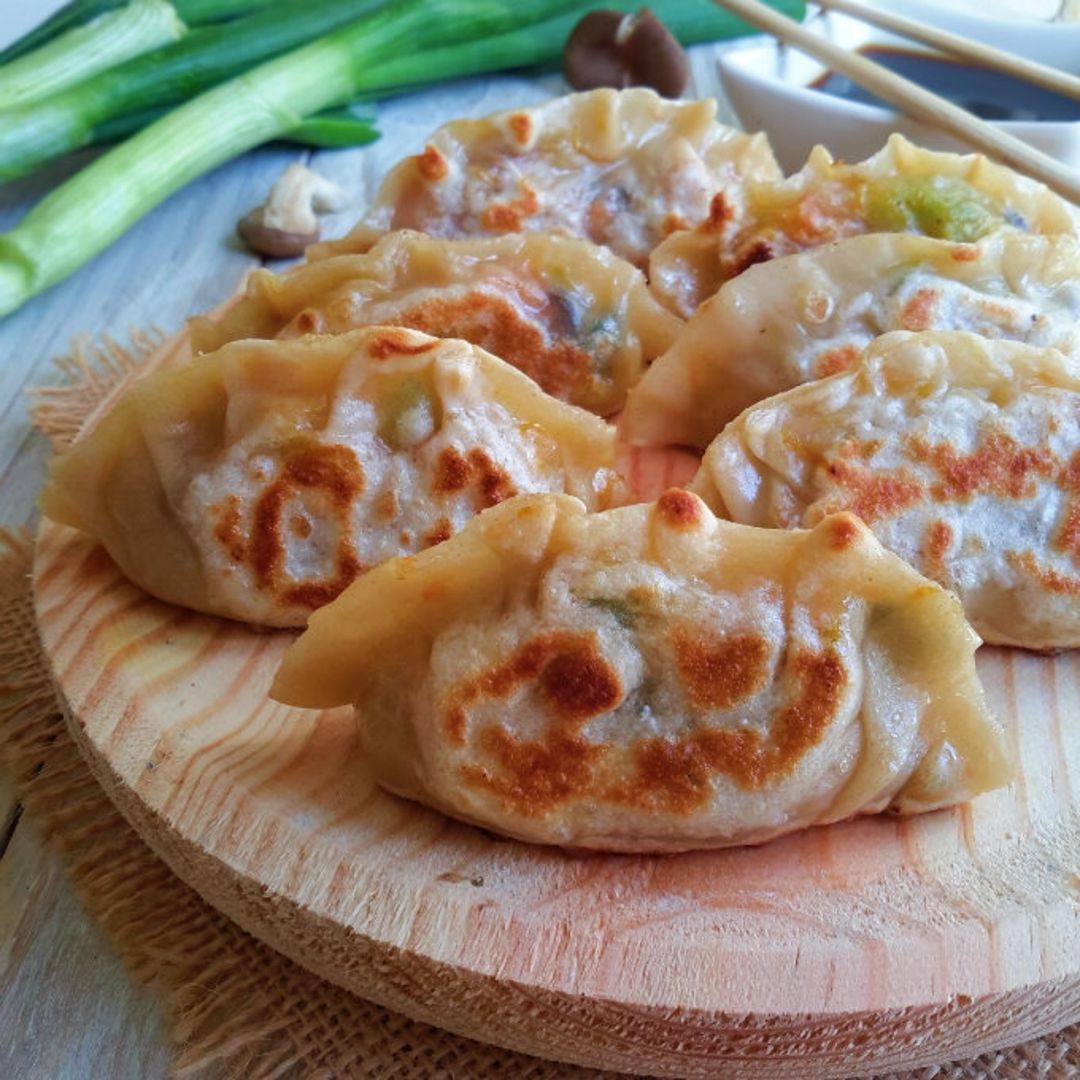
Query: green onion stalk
x,y
64,121
80,12
331,129
102,43
88,212
691,21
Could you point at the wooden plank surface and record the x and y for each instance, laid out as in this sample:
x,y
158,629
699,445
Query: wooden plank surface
x,y
62,991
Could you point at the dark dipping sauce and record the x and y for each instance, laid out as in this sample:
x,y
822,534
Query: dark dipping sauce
x,y
988,94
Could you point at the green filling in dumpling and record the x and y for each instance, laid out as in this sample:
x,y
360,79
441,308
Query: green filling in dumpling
x,y
936,206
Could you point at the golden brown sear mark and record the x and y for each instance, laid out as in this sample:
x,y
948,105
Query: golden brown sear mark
x,y
432,165
936,544
509,216
387,506
680,509
521,126
441,531
496,324
532,776
844,531
455,471
1052,580
999,466
721,213
675,775
575,682
335,472
452,471
718,673
227,527
493,483
758,252
1068,537
871,494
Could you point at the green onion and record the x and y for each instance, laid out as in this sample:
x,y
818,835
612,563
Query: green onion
x,y
88,212
329,129
333,129
68,17
43,129
691,21
192,12
85,50
203,12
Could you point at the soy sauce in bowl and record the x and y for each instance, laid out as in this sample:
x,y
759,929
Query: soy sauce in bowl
x,y
985,93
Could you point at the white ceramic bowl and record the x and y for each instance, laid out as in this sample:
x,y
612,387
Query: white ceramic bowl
x,y
768,85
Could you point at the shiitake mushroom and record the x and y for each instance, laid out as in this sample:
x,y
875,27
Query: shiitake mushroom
x,y
612,48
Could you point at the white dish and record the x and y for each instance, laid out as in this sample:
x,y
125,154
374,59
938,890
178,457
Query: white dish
x,y
769,87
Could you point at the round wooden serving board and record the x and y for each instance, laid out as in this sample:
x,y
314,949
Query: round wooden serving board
x,y
858,948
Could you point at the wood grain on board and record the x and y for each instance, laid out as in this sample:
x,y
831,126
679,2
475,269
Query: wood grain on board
x,y
875,944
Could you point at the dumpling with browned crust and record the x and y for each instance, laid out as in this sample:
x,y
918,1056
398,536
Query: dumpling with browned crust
x,y
574,317
961,453
623,168
258,481
902,188
654,679
810,315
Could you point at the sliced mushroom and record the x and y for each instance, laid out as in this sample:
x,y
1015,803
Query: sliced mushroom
x,y
610,48
286,223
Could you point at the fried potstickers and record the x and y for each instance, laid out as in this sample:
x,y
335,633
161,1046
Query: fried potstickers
x,y
258,481
962,455
902,188
810,315
621,168
653,679
574,317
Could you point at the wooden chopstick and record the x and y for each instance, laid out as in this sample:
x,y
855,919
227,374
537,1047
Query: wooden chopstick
x,y
912,99
1060,82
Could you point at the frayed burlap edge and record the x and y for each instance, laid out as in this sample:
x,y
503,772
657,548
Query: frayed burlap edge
x,y
90,372
233,1007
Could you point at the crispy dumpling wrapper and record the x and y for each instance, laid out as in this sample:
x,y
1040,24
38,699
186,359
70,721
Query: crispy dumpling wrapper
x,y
575,318
810,315
961,453
902,188
258,481
654,679
623,168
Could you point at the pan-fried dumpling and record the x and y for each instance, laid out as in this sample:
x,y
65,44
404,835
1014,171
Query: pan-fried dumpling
x,y
963,456
809,315
653,679
574,317
902,188
621,168
258,481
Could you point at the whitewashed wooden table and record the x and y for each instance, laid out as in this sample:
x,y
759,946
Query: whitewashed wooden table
x,y
67,1009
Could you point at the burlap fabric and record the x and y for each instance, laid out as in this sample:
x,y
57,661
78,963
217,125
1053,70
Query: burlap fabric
x,y
233,1007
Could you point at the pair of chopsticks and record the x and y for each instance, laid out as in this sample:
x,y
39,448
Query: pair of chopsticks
x,y
921,104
